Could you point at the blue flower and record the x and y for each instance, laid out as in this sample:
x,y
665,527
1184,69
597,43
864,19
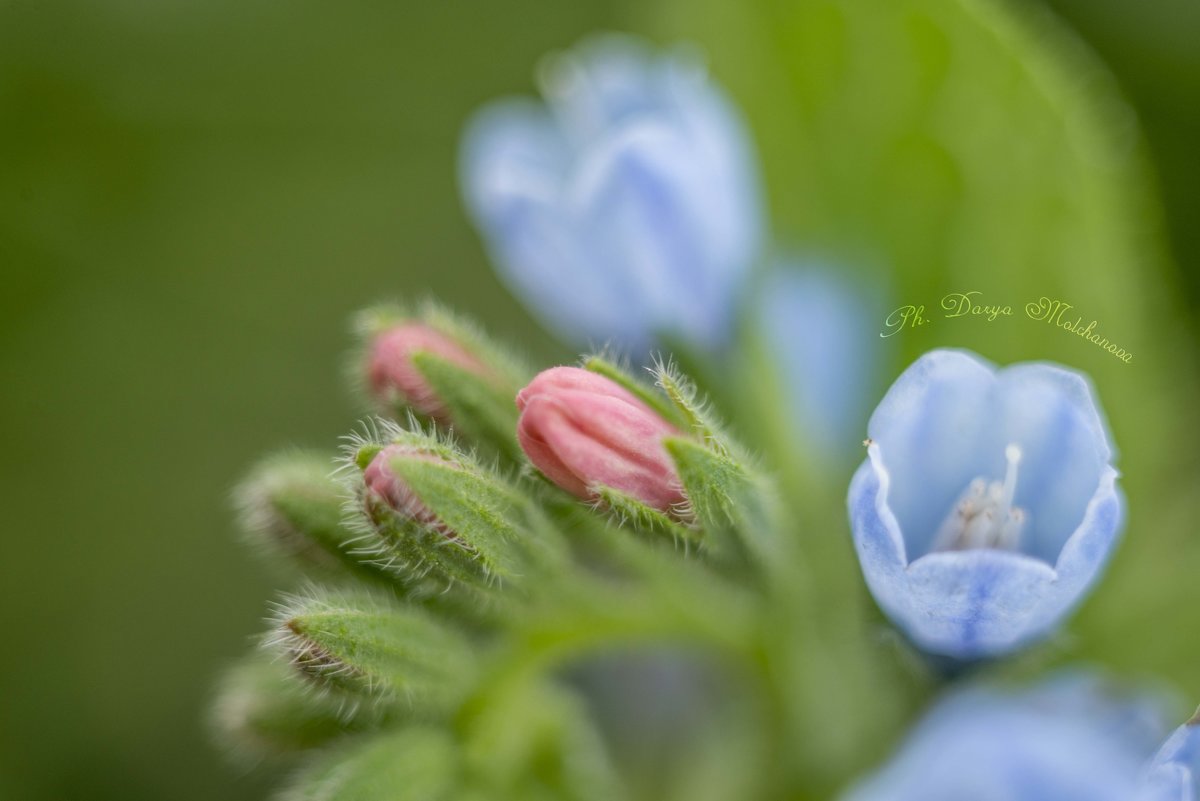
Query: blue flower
x,y
1174,773
1067,740
987,505
817,328
628,206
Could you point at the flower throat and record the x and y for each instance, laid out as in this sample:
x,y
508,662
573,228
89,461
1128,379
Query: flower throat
x,y
984,515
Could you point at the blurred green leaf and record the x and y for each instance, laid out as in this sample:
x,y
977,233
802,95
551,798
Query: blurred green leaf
x,y
411,765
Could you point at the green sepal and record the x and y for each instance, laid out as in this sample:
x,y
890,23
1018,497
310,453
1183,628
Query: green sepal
x,y
416,764
736,507
698,419
292,509
483,413
513,370
631,513
263,710
735,504
478,507
370,646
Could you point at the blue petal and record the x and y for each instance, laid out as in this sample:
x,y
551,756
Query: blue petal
x,y
512,154
513,167
1088,549
603,82
646,216
928,428
1065,449
876,533
731,200
974,603
817,328
963,604
948,419
1174,773
981,744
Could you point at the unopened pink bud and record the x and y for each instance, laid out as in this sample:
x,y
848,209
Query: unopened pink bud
x,y
394,377
582,430
387,493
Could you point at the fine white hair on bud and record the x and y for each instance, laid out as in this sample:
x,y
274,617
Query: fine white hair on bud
x,y
366,644
289,507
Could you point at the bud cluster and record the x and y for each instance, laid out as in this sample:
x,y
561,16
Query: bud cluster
x,y
484,516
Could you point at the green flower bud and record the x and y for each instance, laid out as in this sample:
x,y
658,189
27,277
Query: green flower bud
x,y
440,519
262,710
290,507
368,646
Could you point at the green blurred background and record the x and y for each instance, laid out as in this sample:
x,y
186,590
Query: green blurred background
x,y
194,197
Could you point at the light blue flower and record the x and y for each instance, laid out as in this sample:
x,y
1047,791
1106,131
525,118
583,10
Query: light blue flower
x,y
1174,773
818,329
625,207
1068,740
987,505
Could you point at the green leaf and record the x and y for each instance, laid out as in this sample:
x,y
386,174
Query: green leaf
x,y
966,147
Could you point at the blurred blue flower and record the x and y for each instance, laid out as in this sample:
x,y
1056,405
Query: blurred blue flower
x,y
626,207
819,331
1174,773
987,505
1067,740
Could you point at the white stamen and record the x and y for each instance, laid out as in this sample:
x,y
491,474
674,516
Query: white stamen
x,y
984,515
1013,454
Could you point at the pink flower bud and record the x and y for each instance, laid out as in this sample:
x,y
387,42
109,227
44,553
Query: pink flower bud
x,y
394,377
386,493
582,429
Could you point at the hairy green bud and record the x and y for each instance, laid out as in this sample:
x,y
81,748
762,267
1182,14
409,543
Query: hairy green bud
x,y
366,645
439,519
262,710
291,508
